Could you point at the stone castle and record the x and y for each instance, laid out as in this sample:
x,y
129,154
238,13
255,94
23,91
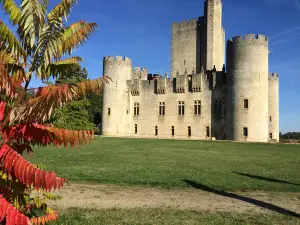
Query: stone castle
x,y
203,99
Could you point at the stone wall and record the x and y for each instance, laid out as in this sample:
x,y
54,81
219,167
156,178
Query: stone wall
x,y
115,96
149,117
215,53
274,106
247,79
183,49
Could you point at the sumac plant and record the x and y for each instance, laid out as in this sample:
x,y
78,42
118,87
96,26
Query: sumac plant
x,y
39,45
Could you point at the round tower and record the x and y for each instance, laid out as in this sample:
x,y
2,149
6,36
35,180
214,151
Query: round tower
x,y
247,89
274,106
115,116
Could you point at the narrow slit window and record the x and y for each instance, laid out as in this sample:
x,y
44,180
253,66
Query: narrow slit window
x,y
108,111
156,130
173,131
246,103
135,128
189,131
270,118
207,132
245,131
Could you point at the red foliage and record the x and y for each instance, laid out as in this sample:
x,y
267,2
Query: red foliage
x,y
45,135
44,219
2,110
14,163
10,85
11,214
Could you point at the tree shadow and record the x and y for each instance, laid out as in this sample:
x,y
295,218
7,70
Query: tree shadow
x,y
252,201
265,178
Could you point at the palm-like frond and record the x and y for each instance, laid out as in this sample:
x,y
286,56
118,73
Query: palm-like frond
x,y
62,9
40,135
31,22
10,42
75,35
12,10
12,65
48,46
9,85
62,67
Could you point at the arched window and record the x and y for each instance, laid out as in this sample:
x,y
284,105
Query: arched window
x,y
135,128
156,130
173,131
189,131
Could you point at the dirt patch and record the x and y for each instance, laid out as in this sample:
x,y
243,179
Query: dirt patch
x,y
111,196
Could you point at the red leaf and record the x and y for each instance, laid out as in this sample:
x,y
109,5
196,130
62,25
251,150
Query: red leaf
x,y
2,110
37,179
12,215
28,174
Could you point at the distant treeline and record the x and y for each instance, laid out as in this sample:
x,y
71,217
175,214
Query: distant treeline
x,y
289,135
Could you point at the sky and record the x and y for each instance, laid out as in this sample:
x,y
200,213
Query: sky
x,y
141,30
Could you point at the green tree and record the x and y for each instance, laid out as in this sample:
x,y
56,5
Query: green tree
x,y
74,115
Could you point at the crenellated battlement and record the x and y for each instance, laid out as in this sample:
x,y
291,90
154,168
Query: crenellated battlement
x,y
273,76
185,23
119,59
139,73
214,1
249,38
139,69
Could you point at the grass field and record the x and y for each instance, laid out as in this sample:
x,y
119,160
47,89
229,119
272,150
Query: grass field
x,y
167,216
167,163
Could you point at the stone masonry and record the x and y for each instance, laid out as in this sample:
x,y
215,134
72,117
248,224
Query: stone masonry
x,y
202,99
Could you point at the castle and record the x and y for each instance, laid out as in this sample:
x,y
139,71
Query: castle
x,y
202,99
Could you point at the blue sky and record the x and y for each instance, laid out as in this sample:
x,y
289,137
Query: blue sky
x,y
141,30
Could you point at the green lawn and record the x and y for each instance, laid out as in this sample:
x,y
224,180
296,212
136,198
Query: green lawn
x,y
166,163
168,216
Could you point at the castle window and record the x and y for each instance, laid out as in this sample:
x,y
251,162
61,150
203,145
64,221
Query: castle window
x,y
271,136
108,111
181,108
207,132
197,108
136,109
246,104
189,131
156,130
245,131
173,131
270,118
135,128
161,108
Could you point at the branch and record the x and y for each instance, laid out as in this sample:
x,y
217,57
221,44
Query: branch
x,y
26,173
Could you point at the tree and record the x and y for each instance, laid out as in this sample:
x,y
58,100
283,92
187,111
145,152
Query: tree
x,y
74,115
40,48
95,109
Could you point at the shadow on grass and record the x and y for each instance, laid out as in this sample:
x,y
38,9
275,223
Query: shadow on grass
x,y
265,178
253,201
